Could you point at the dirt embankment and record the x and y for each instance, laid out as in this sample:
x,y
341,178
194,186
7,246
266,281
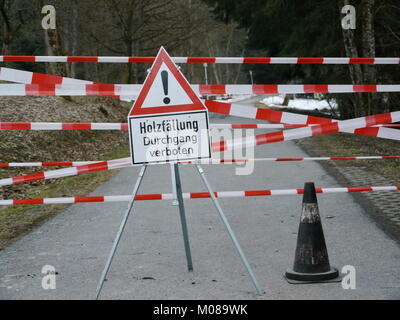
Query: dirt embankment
x,y
31,146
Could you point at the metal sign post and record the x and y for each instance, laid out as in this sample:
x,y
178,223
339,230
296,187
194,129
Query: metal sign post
x,y
178,201
230,231
205,65
120,231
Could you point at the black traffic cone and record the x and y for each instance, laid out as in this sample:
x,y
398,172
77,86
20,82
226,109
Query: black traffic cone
x,y
311,263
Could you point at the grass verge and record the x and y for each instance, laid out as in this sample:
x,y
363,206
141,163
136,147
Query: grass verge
x,y
343,144
16,221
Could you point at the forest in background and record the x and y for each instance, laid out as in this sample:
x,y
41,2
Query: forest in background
x,y
312,28
121,28
214,28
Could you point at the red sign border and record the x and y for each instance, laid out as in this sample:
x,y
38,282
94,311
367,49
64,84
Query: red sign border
x,y
137,106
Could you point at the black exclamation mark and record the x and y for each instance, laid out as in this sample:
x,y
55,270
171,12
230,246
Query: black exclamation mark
x,y
164,78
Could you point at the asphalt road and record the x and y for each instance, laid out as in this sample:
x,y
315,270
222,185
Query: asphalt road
x,y
150,262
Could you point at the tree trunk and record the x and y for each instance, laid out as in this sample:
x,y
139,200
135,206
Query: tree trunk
x,y
214,66
287,99
370,99
356,74
239,70
75,36
190,41
227,52
7,29
54,47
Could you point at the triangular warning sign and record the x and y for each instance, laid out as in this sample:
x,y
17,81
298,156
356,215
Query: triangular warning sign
x,y
168,122
165,90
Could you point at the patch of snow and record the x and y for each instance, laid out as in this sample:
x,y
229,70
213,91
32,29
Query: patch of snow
x,y
237,98
301,104
127,99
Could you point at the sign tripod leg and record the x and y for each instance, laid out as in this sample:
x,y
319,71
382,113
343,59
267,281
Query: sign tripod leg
x,y
178,201
120,231
230,231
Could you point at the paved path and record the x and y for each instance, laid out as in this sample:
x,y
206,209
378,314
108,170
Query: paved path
x,y
150,262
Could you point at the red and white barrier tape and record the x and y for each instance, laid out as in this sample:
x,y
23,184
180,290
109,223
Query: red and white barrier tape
x,y
291,89
130,90
233,60
34,78
96,166
124,126
44,83
62,126
271,125
350,126
27,77
347,126
251,112
206,161
192,195
47,164
88,168
287,120
109,90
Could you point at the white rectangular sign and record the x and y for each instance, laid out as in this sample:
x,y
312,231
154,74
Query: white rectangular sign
x,y
169,137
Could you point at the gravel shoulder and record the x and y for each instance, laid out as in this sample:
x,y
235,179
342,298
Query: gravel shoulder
x,y
382,206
